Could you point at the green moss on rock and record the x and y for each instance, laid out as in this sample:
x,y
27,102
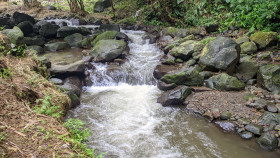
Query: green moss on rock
x,y
264,39
105,36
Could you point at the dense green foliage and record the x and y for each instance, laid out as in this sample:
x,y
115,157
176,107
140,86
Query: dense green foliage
x,y
251,14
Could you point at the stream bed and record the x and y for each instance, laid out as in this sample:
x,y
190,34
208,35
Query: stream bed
x,y
125,120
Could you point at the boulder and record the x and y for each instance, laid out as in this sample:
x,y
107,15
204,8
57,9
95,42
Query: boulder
x,y
53,47
224,82
225,115
76,68
186,76
247,69
226,126
100,5
122,36
175,96
85,43
246,135
175,32
177,42
269,77
26,27
164,86
39,49
74,39
264,39
56,81
248,48
67,30
162,69
30,41
254,128
185,50
77,22
268,141
109,27
108,50
105,36
72,87
15,35
221,53
242,40
21,17
269,118
48,30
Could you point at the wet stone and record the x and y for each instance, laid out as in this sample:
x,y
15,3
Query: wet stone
x,y
268,141
226,126
56,81
246,135
254,128
225,115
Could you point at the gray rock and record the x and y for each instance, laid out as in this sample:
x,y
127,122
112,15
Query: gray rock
x,y
53,47
269,77
15,35
188,76
48,30
175,96
246,135
177,42
272,108
20,17
164,86
175,32
67,30
248,48
109,27
100,5
185,50
226,126
260,103
225,115
74,39
268,141
254,128
108,50
162,69
206,74
31,41
72,87
269,119
39,49
264,39
224,82
76,68
242,40
26,27
56,81
247,69
221,53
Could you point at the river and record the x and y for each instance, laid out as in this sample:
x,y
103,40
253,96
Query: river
x,y
125,120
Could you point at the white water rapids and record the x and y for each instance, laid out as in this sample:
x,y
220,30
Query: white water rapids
x,y
121,112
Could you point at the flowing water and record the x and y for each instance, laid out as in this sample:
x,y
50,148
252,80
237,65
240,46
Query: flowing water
x,y
121,112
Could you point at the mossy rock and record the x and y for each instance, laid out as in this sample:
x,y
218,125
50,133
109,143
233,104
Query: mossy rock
x,y
178,42
264,39
105,36
175,32
242,40
207,40
15,35
248,48
269,77
74,39
85,43
222,53
185,50
224,82
189,77
108,50
247,69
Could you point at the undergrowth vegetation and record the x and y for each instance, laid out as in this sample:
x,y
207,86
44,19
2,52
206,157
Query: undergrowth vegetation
x,y
250,14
